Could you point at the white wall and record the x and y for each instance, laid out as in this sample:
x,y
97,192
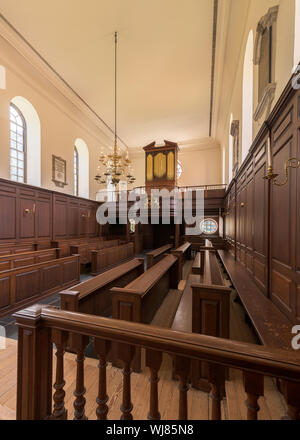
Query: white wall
x,y
285,33
61,122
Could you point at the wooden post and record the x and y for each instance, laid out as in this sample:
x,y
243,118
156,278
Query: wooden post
x,y
153,362
254,388
126,354
182,370
60,340
79,343
291,393
217,382
102,348
34,378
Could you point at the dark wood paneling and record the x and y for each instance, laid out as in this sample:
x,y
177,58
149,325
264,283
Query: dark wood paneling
x,y
268,229
27,285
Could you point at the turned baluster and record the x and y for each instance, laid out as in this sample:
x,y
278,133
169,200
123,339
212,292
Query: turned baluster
x,y
217,375
291,393
59,338
153,362
182,368
102,348
254,388
125,353
78,343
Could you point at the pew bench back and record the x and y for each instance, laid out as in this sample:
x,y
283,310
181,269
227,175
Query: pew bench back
x,y
93,296
156,255
28,258
23,286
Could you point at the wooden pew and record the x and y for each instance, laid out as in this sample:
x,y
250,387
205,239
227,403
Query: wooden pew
x,y
156,255
26,285
12,248
182,253
204,308
105,258
66,244
140,299
85,249
272,327
93,296
257,305
28,258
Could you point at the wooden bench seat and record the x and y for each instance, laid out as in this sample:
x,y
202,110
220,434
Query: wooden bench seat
x,y
140,299
93,296
28,258
154,256
110,256
26,285
272,327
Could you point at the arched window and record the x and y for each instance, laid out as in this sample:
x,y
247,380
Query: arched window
x,y
83,171
2,78
230,151
17,145
247,97
33,140
179,170
76,171
223,165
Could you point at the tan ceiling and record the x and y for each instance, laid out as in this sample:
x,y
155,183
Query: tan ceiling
x,y
165,50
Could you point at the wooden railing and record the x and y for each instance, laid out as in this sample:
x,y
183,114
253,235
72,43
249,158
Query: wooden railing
x,y
113,196
40,327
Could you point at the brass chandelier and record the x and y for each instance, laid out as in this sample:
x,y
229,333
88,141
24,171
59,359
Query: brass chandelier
x,y
117,166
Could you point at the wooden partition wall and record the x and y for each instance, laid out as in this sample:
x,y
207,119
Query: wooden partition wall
x,y
30,214
262,220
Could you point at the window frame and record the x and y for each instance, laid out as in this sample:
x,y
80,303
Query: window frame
x,y
76,171
24,143
209,220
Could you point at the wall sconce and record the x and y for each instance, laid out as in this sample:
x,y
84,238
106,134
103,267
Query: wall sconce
x,y
292,162
242,205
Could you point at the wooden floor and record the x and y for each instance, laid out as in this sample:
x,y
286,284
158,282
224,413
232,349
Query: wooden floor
x,y
233,407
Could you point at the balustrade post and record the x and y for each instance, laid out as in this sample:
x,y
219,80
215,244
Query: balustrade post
x,y
79,342
291,393
126,354
102,348
254,388
60,339
153,362
182,368
34,377
217,375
